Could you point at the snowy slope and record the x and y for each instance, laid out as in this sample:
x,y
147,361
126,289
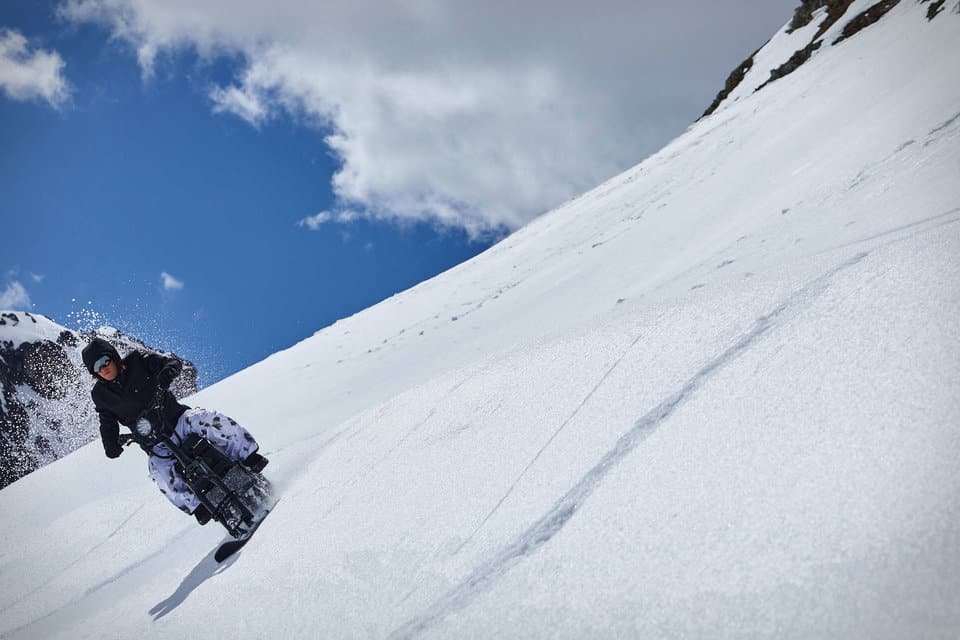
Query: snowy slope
x,y
17,327
715,396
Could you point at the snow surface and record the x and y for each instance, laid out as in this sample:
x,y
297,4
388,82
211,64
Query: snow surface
x,y
27,328
717,396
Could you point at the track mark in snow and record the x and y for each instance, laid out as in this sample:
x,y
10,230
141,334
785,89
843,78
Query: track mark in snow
x,y
546,444
136,564
76,561
366,471
941,131
105,583
945,124
904,145
493,296
938,220
552,522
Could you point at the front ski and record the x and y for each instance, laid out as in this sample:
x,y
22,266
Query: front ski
x,y
227,549
230,547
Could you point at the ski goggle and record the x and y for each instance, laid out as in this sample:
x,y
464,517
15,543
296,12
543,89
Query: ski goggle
x,y
101,362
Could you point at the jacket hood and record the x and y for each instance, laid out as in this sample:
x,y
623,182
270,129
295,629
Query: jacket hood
x,y
96,348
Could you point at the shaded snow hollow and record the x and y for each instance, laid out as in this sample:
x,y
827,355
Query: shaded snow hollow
x,y
715,396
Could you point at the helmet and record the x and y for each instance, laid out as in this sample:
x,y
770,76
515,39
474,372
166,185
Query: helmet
x,y
96,348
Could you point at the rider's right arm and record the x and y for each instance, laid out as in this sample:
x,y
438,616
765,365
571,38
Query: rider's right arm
x,y
110,435
109,428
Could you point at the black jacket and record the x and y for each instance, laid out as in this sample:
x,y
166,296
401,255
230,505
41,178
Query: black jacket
x,y
142,375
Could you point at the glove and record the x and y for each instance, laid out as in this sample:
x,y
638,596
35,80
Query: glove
x,y
112,449
165,378
168,373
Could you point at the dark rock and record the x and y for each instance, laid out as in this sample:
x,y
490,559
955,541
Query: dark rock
x,y
733,80
835,11
791,65
45,368
803,14
935,8
16,461
67,338
867,18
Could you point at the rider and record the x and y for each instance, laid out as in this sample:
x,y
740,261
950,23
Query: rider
x,y
137,386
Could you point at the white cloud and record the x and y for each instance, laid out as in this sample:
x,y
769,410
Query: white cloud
x,y
316,221
472,114
36,277
248,106
30,75
170,283
15,298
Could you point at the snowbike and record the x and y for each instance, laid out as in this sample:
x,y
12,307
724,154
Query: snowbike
x,y
235,496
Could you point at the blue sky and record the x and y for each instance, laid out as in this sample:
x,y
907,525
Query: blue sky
x,y
133,179
173,137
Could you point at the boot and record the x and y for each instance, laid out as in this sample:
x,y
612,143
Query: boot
x,y
255,462
202,514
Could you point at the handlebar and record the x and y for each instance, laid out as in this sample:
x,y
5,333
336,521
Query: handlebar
x,y
156,405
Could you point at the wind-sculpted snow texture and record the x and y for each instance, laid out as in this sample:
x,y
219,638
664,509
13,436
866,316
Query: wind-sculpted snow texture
x,y
553,521
713,397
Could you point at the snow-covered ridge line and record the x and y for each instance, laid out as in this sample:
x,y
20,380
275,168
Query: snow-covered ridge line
x,y
17,327
797,41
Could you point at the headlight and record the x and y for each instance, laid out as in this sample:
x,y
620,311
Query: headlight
x,y
144,428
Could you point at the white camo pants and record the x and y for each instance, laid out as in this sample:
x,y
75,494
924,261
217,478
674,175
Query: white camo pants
x,y
223,432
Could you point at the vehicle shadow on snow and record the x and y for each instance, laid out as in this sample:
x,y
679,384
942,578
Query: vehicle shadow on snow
x,y
204,570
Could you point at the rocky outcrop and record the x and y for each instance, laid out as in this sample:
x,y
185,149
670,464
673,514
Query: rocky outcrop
x,y
829,14
803,15
793,63
45,407
867,18
936,7
733,80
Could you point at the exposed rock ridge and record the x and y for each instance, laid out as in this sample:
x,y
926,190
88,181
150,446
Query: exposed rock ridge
x,y
806,13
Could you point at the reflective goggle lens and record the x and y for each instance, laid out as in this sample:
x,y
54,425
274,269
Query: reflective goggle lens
x,y
101,363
